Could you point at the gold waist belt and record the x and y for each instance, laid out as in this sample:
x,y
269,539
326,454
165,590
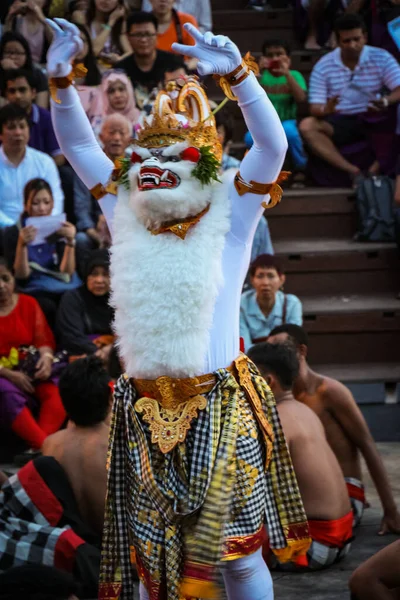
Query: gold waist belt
x,y
169,405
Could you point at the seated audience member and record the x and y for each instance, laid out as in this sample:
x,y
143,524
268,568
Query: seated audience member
x,y
115,136
171,25
81,448
320,14
199,9
87,85
346,86
266,306
22,323
106,23
146,65
115,97
29,19
84,316
40,529
378,578
15,54
45,270
20,90
37,582
286,89
345,428
318,473
19,164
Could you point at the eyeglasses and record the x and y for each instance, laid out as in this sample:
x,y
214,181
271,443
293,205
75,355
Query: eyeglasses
x,y
145,35
14,53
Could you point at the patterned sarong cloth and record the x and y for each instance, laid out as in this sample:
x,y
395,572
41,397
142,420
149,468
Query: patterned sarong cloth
x,y
174,515
356,492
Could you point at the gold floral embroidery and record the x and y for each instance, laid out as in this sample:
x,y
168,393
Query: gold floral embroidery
x,y
169,427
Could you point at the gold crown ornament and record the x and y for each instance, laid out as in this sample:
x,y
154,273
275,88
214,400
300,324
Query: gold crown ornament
x,y
181,113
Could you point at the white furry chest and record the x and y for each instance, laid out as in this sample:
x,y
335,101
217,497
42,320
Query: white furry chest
x,y
164,291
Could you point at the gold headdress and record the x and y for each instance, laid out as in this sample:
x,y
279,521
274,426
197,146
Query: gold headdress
x,y
181,113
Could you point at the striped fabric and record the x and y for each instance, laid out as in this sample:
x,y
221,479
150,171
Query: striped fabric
x,y
212,488
376,69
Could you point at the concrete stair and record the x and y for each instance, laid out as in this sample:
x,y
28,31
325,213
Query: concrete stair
x,y
348,289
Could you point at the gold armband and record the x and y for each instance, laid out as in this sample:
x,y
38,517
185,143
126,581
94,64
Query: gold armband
x,y
262,189
62,83
225,82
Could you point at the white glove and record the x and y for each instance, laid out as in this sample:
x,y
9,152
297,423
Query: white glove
x,y
65,46
216,53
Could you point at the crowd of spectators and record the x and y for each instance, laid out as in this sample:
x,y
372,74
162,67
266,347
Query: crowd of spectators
x,y
55,315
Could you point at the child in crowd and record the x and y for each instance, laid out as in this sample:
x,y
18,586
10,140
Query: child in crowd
x,y
286,89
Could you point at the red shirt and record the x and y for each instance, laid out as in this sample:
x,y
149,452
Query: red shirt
x,y
26,325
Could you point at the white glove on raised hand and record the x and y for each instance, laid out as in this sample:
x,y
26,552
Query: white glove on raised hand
x,y
65,46
216,53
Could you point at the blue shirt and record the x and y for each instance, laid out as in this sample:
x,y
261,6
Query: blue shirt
x,y
254,324
262,243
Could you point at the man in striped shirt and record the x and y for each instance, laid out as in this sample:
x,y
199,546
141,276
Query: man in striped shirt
x,y
345,84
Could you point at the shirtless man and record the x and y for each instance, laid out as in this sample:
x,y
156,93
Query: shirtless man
x,y
318,473
81,449
345,427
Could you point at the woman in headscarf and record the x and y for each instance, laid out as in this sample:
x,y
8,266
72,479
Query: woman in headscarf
x,y
84,319
115,95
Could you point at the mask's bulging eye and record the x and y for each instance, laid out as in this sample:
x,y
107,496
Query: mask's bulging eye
x,y
135,158
191,154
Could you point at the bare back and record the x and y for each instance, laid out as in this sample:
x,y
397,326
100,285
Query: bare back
x,y
319,475
82,452
326,401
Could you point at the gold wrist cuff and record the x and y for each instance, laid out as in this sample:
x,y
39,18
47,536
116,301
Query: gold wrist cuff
x,y
262,189
62,83
247,66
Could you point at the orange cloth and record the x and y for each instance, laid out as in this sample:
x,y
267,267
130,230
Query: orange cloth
x,y
355,492
332,533
166,39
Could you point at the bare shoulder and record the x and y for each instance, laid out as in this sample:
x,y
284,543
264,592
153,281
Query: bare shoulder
x,y
301,419
53,442
335,392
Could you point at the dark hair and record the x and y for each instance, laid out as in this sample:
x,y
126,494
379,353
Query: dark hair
x,y
97,258
4,263
117,27
266,261
296,334
12,112
37,582
13,74
93,75
139,17
225,120
36,185
279,359
85,391
14,36
276,43
348,22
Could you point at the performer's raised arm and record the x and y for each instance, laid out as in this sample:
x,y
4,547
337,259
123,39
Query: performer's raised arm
x,y
218,55
71,125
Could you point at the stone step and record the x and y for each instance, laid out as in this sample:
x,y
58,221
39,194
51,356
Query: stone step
x,y
314,213
353,329
316,267
249,28
361,372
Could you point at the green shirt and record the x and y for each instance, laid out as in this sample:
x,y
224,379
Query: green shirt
x,y
279,94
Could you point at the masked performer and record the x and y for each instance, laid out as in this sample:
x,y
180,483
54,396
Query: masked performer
x,y
198,464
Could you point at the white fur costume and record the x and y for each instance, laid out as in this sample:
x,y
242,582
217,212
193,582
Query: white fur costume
x,y
176,314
